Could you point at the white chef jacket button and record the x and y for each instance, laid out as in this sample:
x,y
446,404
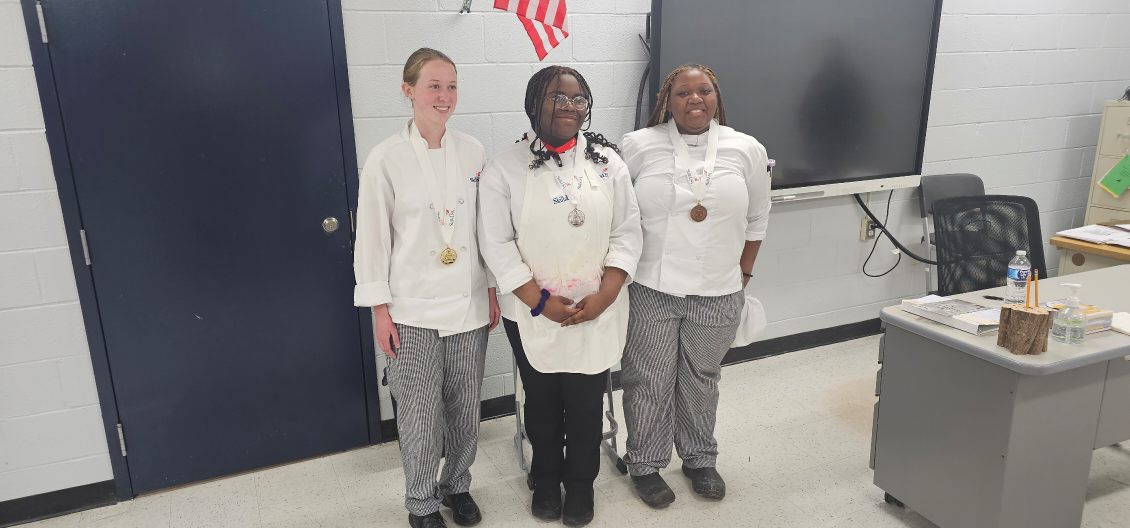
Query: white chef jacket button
x,y
432,252
465,294
462,248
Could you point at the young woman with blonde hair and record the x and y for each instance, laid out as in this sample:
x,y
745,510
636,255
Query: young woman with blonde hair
x,y
417,264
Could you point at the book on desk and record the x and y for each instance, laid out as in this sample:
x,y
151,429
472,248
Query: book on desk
x,y
963,315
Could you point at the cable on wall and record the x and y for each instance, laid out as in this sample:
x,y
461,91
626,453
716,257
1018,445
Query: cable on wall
x,y
883,227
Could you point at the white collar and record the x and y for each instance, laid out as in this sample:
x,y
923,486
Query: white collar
x,y
412,133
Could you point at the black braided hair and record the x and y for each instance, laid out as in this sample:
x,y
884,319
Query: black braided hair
x,y
535,90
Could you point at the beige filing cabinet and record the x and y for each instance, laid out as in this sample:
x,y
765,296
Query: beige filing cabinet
x,y
1114,143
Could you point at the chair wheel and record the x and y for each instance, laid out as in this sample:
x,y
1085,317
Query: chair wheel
x,y
620,465
890,499
530,482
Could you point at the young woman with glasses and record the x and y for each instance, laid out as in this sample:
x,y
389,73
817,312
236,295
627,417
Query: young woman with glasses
x,y
560,231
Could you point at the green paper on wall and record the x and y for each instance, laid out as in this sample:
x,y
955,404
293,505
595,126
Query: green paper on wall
x,y
1118,179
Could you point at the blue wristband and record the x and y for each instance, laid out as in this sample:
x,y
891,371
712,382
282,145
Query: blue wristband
x,y
541,304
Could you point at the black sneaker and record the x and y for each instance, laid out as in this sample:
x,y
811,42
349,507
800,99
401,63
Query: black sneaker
x,y
653,490
706,482
464,511
546,504
578,509
431,520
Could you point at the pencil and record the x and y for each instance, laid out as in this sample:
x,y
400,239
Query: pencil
x,y
1028,291
1036,288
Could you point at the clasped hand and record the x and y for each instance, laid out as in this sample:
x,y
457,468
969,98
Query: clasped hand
x,y
589,308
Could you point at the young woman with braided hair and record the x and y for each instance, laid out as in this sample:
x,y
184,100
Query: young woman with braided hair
x,y
703,191
560,230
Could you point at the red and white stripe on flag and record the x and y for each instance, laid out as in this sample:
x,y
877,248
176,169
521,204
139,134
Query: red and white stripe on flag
x,y
544,21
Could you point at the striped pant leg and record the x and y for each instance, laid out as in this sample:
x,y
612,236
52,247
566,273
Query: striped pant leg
x,y
704,338
648,375
415,379
464,356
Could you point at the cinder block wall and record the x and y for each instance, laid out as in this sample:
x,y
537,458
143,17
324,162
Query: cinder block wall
x,y
1017,91
51,433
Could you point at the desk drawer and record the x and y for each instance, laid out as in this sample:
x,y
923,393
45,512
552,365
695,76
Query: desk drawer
x,y
1114,139
1073,261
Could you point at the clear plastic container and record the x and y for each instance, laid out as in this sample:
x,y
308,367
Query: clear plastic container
x,y
1018,269
1070,324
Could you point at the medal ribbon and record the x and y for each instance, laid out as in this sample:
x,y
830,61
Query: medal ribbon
x,y
449,200
683,158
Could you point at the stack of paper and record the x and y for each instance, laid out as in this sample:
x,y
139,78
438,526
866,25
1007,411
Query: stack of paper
x,y
1099,234
1098,319
1121,323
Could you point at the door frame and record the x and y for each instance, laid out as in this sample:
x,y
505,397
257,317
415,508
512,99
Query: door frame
x,y
73,223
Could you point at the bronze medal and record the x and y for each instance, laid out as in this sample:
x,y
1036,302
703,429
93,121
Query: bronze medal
x,y
448,256
698,213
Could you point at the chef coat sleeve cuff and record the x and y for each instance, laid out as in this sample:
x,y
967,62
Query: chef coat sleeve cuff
x,y
626,264
372,294
511,281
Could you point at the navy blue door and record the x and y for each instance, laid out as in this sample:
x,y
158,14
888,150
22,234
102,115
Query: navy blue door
x,y
207,157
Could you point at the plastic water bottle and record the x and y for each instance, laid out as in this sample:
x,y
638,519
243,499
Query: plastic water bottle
x,y
1070,323
1018,269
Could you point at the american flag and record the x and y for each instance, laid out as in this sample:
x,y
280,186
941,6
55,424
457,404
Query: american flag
x,y
544,21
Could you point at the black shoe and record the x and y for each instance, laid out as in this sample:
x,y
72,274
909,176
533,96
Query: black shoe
x,y
464,511
431,520
578,509
706,482
653,490
546,504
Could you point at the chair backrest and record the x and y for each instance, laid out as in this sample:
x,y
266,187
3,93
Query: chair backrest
x,y
936,187
977,236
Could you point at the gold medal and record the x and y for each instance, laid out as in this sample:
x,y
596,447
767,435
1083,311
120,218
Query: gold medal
x,y
698,213
448,256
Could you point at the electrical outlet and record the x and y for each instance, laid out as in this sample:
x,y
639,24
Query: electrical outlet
x,y
866,229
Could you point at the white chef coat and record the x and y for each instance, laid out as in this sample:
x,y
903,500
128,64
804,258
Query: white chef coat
x,y
502,199
396,256
680,256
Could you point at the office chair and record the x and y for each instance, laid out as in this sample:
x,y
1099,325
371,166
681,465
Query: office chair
x,y
976,237
935,187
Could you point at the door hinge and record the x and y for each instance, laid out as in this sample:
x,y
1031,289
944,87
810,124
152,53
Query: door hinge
x,y
85,246
122,439
42,22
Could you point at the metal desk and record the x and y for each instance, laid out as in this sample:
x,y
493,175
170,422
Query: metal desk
x,y
971,436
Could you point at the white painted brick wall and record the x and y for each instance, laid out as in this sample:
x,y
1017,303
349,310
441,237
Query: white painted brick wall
x,y
1017,91
51,434
1018,87
495,60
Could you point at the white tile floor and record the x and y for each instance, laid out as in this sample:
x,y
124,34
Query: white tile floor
x,y
794,433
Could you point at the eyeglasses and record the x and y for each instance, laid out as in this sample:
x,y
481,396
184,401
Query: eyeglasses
x,y
580,102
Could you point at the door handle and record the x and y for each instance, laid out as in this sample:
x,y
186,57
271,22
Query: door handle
x,y
329,225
